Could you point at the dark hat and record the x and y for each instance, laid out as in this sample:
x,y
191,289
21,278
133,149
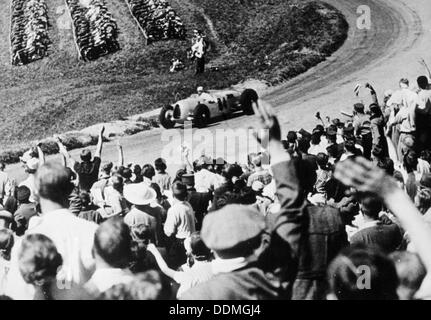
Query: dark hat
x,y
231,226
359,107
426,180
188,179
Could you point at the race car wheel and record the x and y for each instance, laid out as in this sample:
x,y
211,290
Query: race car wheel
x,y
246,100
201,116
165,117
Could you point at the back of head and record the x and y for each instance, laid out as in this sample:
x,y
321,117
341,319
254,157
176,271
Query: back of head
x,y
86,155
38,259
148,171
303,145
423,82
53,183
6,243
199,250
371,206
23,194
160,165
179,191
322,160
360,273
359,107
387,164
112,243
411,272
117,182
127,173
410,161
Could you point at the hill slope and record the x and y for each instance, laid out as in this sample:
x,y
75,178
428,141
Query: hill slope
x,y
269,39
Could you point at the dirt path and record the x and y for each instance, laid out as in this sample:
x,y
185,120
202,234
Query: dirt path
x,y
399,35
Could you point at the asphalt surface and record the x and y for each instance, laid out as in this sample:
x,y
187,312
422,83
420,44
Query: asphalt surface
x,y
398,37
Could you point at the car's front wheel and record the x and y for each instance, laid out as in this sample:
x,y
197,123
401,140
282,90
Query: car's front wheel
x,y
165,117
201,116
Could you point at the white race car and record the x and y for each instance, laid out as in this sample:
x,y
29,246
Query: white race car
x,y
200,108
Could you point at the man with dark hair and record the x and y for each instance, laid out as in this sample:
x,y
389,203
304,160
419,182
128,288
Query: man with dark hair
x,y
180,224
71,235
26,210
199,49
87,169
373,232
112,253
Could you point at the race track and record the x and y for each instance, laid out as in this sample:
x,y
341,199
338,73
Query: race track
x,y
399,35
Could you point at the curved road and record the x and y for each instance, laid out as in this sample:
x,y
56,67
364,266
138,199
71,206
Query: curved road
x,y
399,35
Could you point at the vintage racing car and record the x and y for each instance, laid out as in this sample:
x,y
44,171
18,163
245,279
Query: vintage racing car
x,y
200,108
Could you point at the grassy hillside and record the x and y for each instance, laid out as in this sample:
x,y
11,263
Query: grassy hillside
x,y
268,39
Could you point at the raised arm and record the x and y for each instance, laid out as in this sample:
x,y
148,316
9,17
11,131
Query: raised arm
x,y
120,154
365,177
288,224
373,93
160,261
422,61
67,159
40,154
100,143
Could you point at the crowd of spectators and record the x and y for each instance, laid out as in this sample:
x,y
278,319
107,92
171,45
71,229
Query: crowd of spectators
x,y
341,212
29,31
159,20
96,30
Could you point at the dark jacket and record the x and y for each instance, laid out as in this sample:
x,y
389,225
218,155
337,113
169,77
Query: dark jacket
x,y
271,277
325,237
386,237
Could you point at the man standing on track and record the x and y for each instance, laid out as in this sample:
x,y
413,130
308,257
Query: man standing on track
x,y
199,49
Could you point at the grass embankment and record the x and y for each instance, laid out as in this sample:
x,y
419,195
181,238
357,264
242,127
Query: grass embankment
x,y
271,40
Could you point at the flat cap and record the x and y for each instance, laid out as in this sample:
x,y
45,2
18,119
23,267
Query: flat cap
x,y
231,226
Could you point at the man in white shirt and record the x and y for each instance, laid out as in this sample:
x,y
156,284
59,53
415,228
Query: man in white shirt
x,y
30,165
112,252
180,224
72,236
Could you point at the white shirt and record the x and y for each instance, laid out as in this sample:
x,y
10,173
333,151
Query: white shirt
x,y
201,271
30,183
73,238
205,180
105,278
180,220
